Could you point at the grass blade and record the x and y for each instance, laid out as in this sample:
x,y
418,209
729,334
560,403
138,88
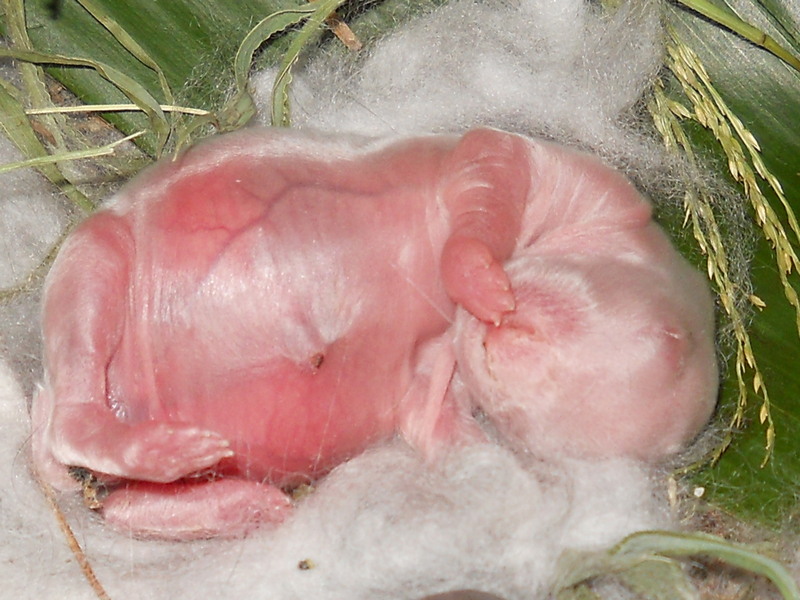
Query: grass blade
x,y
130,44
280,91
753,34
15,124
128,86
682,545
242,107
74,155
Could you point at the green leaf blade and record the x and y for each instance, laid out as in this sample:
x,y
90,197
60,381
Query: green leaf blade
x,y
765,94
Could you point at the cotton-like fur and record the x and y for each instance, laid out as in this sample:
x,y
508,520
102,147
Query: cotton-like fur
x,y
555,69
383,525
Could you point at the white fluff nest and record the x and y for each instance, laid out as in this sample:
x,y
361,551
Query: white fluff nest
x,y
383,525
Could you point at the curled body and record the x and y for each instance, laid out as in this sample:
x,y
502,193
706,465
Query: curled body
x,y
241,320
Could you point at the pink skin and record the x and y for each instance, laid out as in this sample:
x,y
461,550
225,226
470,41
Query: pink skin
x,y
610,350
272,303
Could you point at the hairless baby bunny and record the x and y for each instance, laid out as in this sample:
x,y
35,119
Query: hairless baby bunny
x,y
243,319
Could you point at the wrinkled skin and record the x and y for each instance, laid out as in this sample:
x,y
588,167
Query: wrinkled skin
x,y
273,303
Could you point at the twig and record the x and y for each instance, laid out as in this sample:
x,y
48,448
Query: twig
x,y
72,542
342,31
